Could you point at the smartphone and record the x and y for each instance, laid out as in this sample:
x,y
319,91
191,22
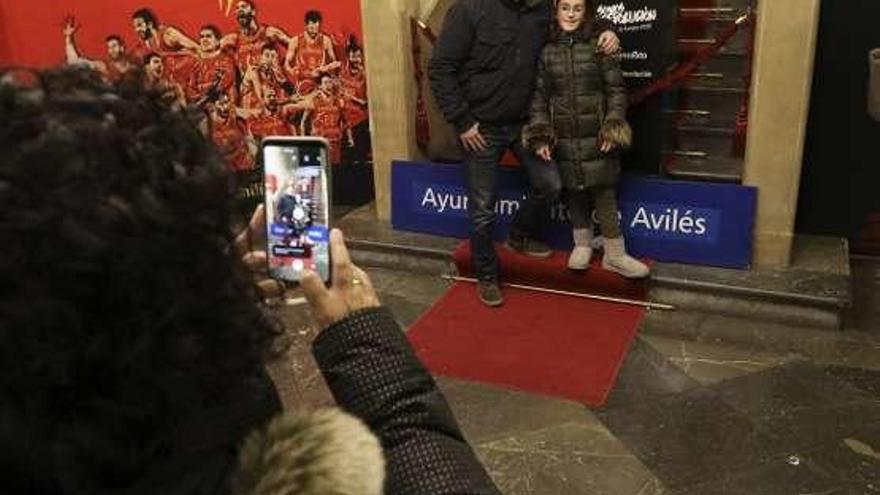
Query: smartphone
x,y
297,200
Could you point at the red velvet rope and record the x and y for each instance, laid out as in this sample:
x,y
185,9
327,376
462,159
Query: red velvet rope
x,y
681,71
423,131
742,118
427,31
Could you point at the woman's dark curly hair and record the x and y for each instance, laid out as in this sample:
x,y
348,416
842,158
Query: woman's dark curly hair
x,y
123,304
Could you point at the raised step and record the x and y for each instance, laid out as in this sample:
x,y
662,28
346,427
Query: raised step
x,y
374,243
814,292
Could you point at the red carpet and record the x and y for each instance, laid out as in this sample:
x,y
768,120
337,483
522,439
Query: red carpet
x,y
553,273
561,346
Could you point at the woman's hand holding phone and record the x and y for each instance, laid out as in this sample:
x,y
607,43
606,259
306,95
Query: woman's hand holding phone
x,y
349,291
350,288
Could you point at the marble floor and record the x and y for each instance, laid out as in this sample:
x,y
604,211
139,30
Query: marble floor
x,y
789,411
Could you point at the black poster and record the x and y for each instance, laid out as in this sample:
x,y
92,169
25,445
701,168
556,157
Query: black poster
x,y
647,31
647,35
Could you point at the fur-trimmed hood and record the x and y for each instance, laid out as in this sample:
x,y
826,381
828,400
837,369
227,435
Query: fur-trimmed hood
x,y
328,452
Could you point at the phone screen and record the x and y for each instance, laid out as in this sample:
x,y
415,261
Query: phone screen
x,y
297,208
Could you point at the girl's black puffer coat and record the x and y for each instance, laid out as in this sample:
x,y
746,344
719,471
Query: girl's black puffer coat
x,y
579,96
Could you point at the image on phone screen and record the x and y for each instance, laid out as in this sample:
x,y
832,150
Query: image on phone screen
x,y
297,210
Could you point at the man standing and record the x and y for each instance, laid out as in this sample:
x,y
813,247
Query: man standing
x,y
252,37
228,133
325,117
310,54
482,75
156,79
353,79
276,117
113,68
268,74
177,50
214,71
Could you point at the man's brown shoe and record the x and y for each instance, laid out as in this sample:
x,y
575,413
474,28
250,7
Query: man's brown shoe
x,y
526,245
490,293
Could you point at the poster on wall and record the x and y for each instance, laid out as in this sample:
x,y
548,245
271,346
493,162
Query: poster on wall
x,y
255,68
647,31
647,36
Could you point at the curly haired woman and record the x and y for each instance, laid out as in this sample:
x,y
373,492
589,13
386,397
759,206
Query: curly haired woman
x,y
132,344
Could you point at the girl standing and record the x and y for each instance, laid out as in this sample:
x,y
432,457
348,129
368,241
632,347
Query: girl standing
x,y
578,114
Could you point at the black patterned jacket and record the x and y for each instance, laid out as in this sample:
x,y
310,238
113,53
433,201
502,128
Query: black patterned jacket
x,y
374,374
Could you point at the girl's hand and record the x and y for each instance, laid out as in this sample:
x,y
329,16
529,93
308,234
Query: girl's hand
x,y
350,290
606,146
544,153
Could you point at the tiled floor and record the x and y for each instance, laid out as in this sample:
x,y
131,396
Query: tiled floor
x,y
795,411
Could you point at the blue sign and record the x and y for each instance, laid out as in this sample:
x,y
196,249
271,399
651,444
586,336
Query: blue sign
x,y
688,222
432,198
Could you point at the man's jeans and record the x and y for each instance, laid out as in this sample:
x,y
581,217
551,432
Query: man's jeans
x,y
482,169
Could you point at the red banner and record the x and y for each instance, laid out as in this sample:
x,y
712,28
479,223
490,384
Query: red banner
x,y
256,67
30,31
